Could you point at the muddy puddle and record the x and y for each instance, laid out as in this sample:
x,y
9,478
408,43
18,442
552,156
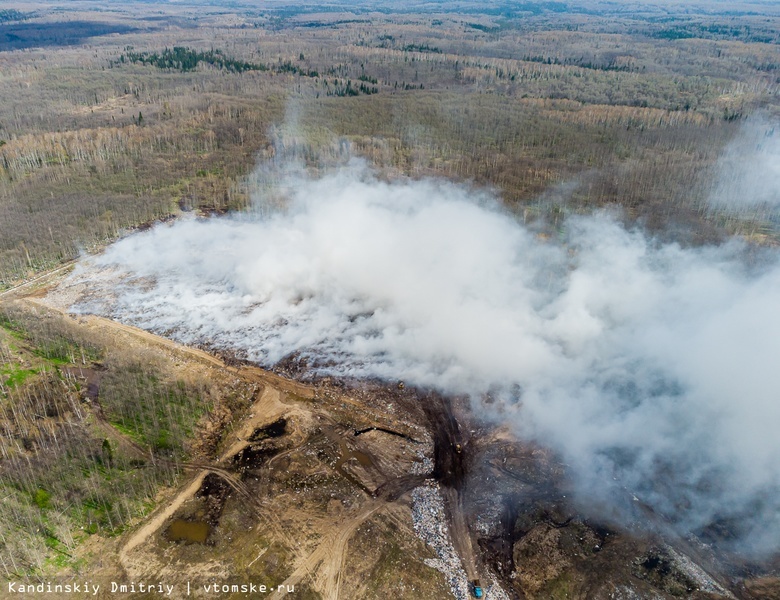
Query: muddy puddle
x,y
346,454
90,376
190,532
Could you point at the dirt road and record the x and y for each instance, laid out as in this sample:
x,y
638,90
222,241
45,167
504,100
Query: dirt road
x,y
159,518
39,279
451,447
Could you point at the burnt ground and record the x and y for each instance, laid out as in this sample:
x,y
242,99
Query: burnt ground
x,y
214,492
511,510
450,442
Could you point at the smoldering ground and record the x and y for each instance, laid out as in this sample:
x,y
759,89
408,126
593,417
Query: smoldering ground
x,y
649,367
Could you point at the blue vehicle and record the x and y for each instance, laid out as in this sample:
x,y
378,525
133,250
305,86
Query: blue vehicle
x,y
476,589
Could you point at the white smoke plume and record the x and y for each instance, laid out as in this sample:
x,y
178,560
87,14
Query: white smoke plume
x,y
747,176
640,362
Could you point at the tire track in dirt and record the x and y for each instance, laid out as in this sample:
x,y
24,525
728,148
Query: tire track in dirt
x,y
328,557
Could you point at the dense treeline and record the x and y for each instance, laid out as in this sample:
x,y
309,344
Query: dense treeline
x,y
31,33
718,31
341,89
184,59
421,48
611,65
10,14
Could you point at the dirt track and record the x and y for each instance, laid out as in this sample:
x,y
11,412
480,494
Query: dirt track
x,y
39,279
159,518
329,556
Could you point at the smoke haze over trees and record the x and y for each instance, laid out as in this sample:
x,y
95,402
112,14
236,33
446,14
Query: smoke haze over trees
x,y
646,365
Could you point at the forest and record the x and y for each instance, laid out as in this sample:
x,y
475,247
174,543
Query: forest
x,y
138,126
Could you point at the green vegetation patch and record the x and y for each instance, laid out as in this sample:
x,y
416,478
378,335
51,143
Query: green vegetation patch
x,y
421,48
49,337
160,415
181,58
15,376
184,59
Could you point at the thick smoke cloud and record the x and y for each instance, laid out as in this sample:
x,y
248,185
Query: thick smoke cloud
x,y
647,366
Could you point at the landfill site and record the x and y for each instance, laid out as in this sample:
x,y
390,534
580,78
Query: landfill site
x,y
338,488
